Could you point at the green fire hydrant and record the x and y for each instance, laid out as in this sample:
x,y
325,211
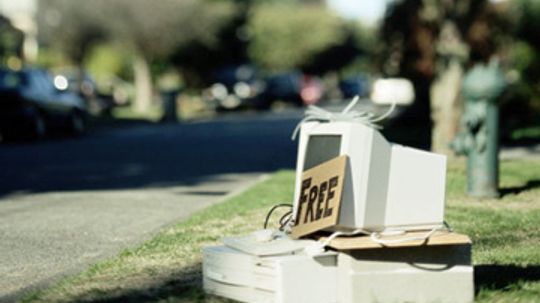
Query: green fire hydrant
x,y
479,135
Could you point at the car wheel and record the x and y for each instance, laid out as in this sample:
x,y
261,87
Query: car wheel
x,y
38,128
77,123
263,105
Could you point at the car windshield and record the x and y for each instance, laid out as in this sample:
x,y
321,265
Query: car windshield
x,y
10,79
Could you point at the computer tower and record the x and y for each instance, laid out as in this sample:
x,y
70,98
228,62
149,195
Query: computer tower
x,y
278,279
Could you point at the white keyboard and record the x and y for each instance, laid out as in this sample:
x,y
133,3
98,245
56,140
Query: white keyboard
x,y
280,244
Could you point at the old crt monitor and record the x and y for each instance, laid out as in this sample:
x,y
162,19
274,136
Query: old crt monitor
x,y
387,186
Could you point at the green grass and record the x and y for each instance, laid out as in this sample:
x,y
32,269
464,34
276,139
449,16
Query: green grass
x,y
505,233
154,114
526,133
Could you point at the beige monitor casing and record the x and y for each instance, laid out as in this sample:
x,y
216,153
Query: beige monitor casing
x,y
387,186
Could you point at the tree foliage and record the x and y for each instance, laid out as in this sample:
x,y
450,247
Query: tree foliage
x,y
156,28
528,22
152,28
524,58
285,37
432,42
411,28
72,27
197,60
10,39
526,51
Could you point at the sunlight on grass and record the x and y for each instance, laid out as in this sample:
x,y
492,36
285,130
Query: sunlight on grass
x,y
532,132
154,114
504,231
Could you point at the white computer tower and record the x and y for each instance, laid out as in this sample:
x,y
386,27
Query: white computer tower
x,y
287,278
408,274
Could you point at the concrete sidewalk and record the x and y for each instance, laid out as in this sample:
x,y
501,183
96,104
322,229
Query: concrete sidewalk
x,y
47,236
516,152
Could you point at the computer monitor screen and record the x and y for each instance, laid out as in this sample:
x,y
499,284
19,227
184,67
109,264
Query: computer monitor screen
x,y
321,148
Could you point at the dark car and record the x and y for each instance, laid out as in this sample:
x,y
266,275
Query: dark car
x,y
284,87
235,87
31,105
82,83
293,87
357,85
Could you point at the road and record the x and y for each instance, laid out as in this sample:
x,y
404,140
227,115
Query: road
x,y
67,203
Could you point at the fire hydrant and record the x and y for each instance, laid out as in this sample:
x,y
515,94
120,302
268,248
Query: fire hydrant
x,y
479,135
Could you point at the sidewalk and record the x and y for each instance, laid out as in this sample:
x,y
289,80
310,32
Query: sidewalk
x,y
47,236
515,152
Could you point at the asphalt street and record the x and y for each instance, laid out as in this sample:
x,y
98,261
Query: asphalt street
x,y
66,203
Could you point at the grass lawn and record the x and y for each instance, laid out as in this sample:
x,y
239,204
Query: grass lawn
x,y
505,233
154,114
526,133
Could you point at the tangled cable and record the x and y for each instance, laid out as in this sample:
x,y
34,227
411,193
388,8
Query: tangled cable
x,y
314,113
285,218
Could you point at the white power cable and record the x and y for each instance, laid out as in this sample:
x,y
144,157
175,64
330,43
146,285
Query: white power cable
x,y
344,233
318,247
376,237
315,113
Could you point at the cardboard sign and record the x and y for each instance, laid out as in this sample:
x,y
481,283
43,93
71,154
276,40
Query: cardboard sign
x,y
320,197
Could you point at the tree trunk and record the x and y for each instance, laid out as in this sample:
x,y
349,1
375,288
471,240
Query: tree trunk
x,y
143,84
446,107
445,91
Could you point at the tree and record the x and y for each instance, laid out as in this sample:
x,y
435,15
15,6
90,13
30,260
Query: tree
x,y
154,29
72,27
284,37
524,55
198,60
431,42
11,40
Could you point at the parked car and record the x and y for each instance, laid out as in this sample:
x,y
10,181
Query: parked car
x,y
357,85
83,84
284,87
235,87
31,105
293,87
311,90
241,86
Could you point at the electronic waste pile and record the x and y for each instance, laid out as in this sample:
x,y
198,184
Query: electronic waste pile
x,y
366,226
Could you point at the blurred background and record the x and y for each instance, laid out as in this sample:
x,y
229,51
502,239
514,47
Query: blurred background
x,y
186,59
120,117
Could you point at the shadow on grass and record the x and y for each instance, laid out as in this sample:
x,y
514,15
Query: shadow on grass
x,y
183,286
501,277
532,184
187,285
